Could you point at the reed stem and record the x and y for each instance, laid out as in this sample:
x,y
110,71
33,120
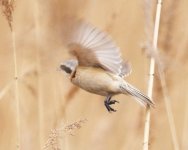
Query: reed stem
x,y
151,76
16,89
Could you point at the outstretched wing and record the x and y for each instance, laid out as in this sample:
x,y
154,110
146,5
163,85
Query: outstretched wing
x,y
125,69
93,47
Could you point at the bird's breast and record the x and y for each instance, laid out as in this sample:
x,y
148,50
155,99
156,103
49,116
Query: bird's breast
x,y
96,80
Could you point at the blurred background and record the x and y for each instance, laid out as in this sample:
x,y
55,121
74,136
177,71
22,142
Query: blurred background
x,y
43,99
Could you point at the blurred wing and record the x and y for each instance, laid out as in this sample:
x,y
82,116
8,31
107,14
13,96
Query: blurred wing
x,y
125,69
94,48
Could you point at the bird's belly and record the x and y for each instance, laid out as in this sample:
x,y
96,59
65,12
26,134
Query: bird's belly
x,y
94,88
92,85
99,83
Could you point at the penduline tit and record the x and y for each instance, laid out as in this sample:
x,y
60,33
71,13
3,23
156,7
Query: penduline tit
x,y
98,67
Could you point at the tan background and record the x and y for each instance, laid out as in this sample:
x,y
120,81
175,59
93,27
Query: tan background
x,y
47,98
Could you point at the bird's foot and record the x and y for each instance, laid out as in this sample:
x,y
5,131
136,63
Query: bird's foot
x,y
107,104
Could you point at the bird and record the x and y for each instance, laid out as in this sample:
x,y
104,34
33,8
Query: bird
x,y
97,66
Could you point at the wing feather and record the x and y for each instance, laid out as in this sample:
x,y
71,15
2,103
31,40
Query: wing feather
x,y
125,69
93,47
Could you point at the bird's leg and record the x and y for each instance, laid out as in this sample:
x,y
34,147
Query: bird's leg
x,y
109,102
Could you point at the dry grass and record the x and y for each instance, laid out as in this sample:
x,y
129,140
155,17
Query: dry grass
x,y
35,97
7,7
57,135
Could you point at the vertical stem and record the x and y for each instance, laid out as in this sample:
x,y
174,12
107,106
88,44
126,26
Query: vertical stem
x,y
184,144
169,110
16,89
151,76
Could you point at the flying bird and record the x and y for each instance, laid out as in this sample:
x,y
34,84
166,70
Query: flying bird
x,y
98,67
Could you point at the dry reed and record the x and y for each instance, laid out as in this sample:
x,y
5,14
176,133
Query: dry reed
x,y
151,76
168,109
156,60
58,134
16,90
7,9
167,45
184,144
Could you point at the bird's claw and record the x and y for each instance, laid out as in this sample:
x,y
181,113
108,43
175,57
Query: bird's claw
x,y
108,103
113,102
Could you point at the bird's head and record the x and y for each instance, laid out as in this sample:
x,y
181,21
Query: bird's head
x,y
69,66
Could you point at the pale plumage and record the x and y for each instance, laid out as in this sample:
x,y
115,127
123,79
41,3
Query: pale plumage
x,y
94,48
98,67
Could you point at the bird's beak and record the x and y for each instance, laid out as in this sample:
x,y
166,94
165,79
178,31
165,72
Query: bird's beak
x,y
66,69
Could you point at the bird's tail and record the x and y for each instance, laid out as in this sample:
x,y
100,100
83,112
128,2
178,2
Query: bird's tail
x,y
137,94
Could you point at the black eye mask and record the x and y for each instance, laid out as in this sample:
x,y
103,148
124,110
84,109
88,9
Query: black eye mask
x,y
66,69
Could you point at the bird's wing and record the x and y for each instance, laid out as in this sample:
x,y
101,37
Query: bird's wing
x,y
93,47
126,69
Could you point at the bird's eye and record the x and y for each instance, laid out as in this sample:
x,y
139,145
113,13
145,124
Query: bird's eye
x,y
66,69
